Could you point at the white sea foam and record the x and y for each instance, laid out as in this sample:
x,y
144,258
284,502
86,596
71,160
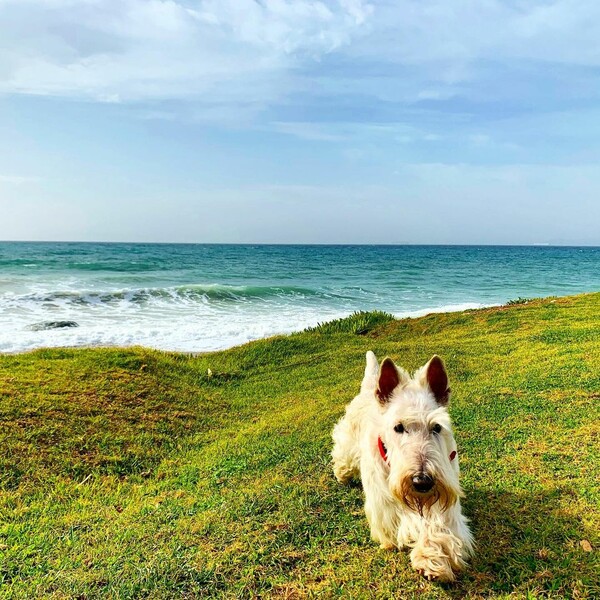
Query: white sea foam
x,y
172,332
186,318
165,319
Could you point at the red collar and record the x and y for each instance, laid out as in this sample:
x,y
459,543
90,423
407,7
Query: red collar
x,y
383,451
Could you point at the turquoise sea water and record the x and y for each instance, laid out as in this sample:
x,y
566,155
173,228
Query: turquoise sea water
x,y
202,297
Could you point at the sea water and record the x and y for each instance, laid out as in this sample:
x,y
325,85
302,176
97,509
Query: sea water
x,y
195,297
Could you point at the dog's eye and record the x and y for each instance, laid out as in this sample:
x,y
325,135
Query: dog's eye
x,y
437,428
399,428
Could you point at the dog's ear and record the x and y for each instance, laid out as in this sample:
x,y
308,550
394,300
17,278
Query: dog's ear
x,y
389,379
437,380
369,381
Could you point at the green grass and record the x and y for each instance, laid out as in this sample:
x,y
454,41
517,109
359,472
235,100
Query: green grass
x,y
359,323
141,474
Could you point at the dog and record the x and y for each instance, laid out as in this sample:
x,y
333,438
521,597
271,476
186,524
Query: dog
x,y
397,437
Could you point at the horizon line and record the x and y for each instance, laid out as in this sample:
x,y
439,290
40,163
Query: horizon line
x,y
316,244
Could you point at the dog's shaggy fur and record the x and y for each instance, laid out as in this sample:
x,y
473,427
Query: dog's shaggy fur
x,y
397,437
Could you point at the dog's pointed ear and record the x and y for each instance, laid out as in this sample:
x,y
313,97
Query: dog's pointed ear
x,y
372,367
437,380
389,379
369,381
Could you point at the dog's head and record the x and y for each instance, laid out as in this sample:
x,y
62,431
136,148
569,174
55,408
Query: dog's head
x,y
414,427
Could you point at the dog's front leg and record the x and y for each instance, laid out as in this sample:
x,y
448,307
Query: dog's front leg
x,y
430,556
380,507
381,522
346,451
443,546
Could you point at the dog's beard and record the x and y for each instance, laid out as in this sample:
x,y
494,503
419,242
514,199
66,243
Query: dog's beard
x,y
422,503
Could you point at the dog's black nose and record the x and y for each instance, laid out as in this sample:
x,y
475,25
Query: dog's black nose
x,y
422,482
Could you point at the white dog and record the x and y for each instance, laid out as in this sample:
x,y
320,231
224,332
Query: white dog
x,y
396,435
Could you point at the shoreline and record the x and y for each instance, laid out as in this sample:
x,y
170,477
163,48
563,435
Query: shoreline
x,y
209,298
399,316
466,307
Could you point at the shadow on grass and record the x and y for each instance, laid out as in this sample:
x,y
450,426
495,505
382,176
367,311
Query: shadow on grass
x,y
528,543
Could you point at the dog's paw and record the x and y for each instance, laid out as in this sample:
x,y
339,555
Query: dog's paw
x,y
387,546
434,576
433,568
343,474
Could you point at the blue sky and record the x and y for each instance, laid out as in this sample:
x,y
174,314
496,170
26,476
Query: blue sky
x,y
340,121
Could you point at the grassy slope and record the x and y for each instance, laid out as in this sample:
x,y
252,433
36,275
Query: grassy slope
x,y
133,473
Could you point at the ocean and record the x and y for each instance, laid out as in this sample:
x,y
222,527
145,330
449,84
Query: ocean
x,y
196,297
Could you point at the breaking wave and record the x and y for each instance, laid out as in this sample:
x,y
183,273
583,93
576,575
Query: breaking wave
x,y
180,294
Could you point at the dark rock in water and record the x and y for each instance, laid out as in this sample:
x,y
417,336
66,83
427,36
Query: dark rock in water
x,y
52,325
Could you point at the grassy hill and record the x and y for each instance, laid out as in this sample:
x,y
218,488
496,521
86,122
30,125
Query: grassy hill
x,y
136,473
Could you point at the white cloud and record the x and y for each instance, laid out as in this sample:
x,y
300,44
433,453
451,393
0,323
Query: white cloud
x,y
112,50
235,58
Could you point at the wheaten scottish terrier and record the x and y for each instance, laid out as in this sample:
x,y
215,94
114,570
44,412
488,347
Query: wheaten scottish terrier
x,y
396,435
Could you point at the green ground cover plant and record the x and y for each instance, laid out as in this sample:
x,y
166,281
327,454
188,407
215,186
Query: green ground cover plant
x,y
131,473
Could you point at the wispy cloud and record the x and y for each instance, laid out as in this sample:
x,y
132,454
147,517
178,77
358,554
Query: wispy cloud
x,y
454,34
354,132
17,180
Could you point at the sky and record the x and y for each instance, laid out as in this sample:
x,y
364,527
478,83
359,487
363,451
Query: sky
x,y
300,121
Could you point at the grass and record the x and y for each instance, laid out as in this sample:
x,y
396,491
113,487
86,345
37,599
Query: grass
x,y
520,300
359,323
141,474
